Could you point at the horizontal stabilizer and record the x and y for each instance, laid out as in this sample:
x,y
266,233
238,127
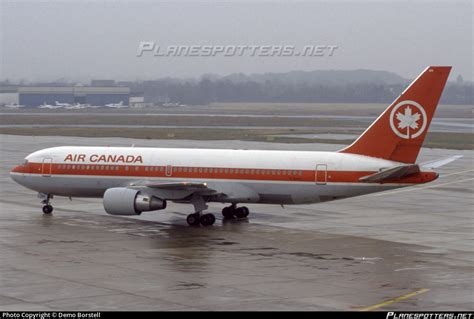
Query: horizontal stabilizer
x,y
440,162
391,173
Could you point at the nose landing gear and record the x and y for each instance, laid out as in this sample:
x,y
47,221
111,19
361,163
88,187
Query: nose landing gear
x,y
47,208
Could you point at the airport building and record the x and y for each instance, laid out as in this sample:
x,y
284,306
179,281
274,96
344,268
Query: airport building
x,y
93,95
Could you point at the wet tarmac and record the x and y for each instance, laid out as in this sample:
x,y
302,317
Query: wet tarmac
x,y
407,249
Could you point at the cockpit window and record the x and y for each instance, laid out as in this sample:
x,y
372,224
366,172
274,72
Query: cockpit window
x,y
25,162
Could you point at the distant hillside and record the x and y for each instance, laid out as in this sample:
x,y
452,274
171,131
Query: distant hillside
x,y
318,77
320,86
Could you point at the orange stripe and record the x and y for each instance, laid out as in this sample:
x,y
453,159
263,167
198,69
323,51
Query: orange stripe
x,y
212,173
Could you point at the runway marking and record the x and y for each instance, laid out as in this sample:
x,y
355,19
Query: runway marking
x,y
394,300
413,268
425,187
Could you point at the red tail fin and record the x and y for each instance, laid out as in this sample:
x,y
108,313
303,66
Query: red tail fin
x,y
399,132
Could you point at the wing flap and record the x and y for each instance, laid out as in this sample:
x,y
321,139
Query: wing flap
x,y
177,187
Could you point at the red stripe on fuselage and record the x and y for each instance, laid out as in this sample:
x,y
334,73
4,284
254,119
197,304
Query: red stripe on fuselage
x,y
211,173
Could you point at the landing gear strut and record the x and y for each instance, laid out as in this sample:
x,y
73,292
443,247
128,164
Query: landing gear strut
x,y
232,211
47,208
198,217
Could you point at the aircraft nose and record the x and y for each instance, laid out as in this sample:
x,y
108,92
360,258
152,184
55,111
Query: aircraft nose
x,y
17,169
16,173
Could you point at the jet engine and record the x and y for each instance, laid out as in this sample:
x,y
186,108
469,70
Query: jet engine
x,y
126,201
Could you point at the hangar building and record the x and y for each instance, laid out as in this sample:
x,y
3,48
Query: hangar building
x,y
36,95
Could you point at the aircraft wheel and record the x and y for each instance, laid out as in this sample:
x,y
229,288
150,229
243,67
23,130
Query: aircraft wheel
x,y
193,219
208,219
47,209
228,212
241,212
246,211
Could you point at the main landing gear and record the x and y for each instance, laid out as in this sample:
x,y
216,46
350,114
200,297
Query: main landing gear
x,y
233,211
208,219
198,217
47,208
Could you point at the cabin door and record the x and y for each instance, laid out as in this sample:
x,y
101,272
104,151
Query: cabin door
x,y
321,174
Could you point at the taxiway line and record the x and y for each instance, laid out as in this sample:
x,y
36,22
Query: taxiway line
x,y
394,300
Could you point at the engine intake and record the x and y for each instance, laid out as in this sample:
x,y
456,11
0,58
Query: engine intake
x,y
125,201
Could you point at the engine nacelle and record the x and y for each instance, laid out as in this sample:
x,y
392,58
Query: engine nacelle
x,y
126,201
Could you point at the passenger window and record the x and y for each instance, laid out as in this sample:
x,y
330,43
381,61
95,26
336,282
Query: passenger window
x,y
252,171
126,168
146,169
226,171
232,171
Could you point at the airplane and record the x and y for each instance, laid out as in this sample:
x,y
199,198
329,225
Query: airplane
x,y
116,105
13,106
133,180
62,104
49,106
76,106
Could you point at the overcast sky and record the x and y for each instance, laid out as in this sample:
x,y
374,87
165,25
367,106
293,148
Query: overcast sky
x,y
80,40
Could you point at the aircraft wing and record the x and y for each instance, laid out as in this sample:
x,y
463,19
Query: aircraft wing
x,y
178,186
177,190
182,190
391,173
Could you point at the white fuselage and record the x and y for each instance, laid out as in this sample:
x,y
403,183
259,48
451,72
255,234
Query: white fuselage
x,y
281,177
